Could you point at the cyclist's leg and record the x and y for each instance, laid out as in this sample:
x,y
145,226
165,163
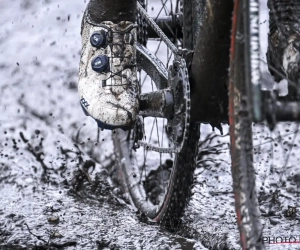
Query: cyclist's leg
x,y
107,76
284,41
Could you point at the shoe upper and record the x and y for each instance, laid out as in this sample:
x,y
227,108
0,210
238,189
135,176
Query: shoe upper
x,y
108,85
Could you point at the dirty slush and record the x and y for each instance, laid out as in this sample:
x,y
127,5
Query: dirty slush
x,y
54,163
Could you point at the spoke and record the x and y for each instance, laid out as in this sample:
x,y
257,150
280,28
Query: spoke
x,y
157,132
170,29
167,13
163,179
165,7
162,7
149,141
168,57
139,85
144,164
162,133
158,47
155,119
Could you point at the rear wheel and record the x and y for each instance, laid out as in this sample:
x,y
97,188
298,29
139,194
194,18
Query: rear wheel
x,y
158,182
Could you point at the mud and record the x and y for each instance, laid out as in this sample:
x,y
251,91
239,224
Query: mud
x,y
50,199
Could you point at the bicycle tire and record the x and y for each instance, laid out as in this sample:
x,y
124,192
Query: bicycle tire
x,y
240,120
169,211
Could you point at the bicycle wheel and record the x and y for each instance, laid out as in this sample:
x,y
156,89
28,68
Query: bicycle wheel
x,y
240,119
158,182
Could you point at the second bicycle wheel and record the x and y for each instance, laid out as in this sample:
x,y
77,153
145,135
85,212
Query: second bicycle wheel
x,y
159,183
240,119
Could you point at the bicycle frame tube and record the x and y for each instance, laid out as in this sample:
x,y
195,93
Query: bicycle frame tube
x,y
209,70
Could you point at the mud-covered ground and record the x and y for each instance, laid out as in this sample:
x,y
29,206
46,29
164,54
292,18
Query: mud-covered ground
x,y
47,203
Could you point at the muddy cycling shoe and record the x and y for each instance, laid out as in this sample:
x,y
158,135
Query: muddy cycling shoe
x,y
108,85
283,53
